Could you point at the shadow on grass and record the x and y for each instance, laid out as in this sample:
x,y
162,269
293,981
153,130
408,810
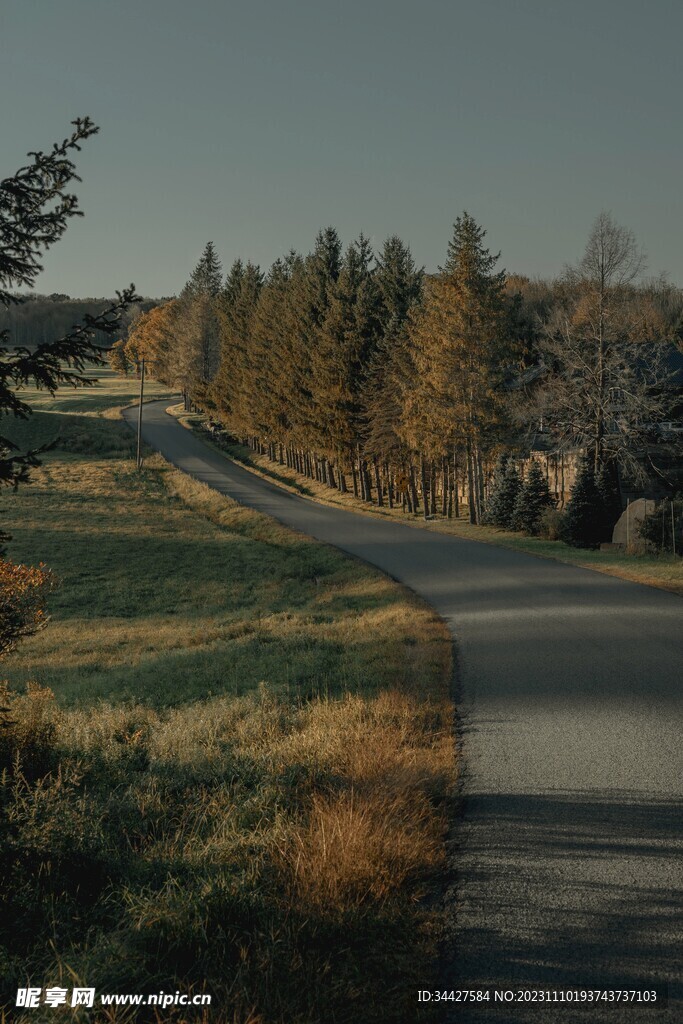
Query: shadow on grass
x,y
299,666
73,434
164,913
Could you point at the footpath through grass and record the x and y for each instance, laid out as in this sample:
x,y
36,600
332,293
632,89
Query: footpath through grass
x,y
231,771
664,571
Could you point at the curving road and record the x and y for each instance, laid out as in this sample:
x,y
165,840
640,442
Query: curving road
x,y
570,853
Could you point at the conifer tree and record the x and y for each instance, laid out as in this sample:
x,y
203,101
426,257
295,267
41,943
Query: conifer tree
x,y
230,290
206,277
399,282
390,371
198,333
236,378
532,500
347,339
311,284
269,405
502,508
35,209
460,348
607,483
583,520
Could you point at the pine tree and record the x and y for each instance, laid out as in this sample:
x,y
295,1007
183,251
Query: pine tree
x,y
347,339
206,277
308,297
390,372
583,519
460,349
35,209
198,331
399,283
607,483
507,492
236,377
269,403
532,499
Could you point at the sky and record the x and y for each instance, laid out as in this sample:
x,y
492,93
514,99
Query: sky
x,y
256,123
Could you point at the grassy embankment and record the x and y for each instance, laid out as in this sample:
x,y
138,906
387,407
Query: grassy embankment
x,y
663,571
241,784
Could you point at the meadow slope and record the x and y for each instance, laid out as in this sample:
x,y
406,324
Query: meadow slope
x,y
232,766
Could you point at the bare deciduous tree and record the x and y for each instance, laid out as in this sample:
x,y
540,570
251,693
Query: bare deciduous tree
x,y
606,374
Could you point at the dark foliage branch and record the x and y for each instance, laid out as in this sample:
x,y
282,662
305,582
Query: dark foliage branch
x,y
35,209
29,224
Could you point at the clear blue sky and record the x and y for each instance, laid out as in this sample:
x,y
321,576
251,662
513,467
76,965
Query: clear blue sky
x,y
255,123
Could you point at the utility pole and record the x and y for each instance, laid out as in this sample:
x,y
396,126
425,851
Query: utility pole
x,y
673,528
142,390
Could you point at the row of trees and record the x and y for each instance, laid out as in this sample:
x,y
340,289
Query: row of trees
x,y
358,370
362,371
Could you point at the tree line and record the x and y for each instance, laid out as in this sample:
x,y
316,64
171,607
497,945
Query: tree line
x,y
33,319
362,371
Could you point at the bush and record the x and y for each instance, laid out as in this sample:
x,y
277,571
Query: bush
x,y
28,725
23,590
551,524
656,529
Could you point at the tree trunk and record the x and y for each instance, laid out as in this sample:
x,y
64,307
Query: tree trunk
x,y
480,483
378,484
413,490
390,486
354,476
470,484
368,482
361,477
423,482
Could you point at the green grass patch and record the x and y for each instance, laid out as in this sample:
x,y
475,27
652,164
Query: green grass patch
x,y
231,769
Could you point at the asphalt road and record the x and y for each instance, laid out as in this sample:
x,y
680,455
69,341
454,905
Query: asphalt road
x,y
570,850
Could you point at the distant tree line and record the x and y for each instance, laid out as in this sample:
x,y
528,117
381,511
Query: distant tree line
x,y
361,371
33,319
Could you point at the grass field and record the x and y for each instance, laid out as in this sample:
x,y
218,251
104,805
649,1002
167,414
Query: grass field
x,y
663,571
232,767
